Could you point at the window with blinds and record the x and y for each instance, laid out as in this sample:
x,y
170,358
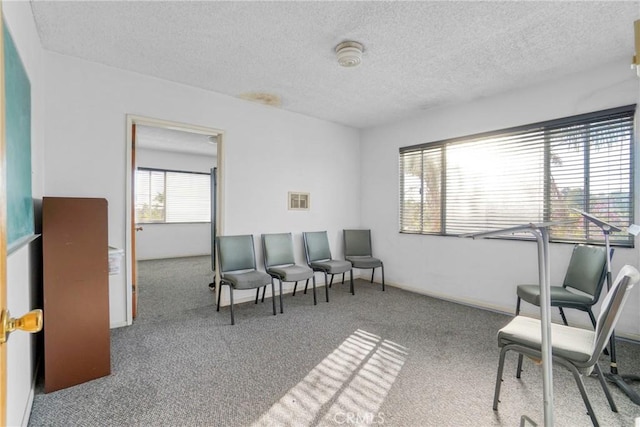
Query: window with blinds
x,y
534,173
164,196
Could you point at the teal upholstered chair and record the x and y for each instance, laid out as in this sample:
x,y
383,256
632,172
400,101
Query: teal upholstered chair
x,y
280,263
357,250
586,273
237,262
318,254
576,349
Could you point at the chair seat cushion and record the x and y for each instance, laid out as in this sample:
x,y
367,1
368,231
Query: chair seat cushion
x,y
247,280
560,296
291,273
332,266
364,261
568,342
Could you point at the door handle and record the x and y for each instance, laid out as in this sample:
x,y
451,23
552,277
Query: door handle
x,y
30,322
138,228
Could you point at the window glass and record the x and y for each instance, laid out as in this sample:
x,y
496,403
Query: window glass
x,y
172,197
535,173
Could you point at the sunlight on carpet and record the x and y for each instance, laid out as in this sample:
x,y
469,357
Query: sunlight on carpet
x,y
354,380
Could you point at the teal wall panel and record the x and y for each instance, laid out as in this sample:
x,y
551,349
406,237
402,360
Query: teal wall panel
x,y
20,220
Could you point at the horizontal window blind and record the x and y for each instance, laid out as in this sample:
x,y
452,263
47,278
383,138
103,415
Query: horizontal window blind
x,y
534,173
172,196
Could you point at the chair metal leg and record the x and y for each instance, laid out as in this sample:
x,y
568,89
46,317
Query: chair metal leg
x,y
273,295
294,289
518,306
373,271
264,291
496,395
257,294
519,368
583,393
593,319
315,302
331,282
233,322
219,292
382,268
564,319
326,286
281,308
343,278
351,281
306,285
605,388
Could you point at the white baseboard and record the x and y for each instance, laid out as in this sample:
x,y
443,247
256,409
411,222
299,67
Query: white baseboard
x,y
495,308
27,410
119,324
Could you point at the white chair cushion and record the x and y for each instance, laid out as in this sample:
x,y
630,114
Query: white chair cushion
x,y
571,343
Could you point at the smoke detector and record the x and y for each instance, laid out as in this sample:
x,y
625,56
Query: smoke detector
x,y
349,53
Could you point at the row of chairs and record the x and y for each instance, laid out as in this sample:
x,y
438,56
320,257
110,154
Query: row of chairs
x,y
238,270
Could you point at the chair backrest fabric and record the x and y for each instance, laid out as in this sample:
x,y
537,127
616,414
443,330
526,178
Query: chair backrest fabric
x,y
277,249
316,246
587,269
611,307
236,253
357,242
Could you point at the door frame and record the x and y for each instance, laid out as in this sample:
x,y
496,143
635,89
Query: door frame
x,y
131,120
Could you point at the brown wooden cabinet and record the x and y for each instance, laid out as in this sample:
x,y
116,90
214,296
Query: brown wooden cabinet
x,y
76,291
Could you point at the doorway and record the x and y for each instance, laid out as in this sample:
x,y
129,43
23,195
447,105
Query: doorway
x,y
178,141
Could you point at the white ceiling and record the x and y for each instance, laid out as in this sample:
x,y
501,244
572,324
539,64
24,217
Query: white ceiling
x,y
418,55
157,138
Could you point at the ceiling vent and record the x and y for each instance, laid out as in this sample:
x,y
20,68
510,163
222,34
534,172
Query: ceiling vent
x,y
349,53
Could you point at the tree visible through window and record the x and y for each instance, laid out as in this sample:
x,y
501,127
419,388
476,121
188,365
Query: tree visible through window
x,y
541,172
171,197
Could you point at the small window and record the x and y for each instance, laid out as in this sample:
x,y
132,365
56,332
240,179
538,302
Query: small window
x,y
164,196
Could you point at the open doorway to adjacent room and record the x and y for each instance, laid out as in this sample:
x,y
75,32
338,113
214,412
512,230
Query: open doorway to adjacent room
x,y
174,196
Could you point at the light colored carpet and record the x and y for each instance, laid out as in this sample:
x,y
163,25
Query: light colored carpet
x,y
389,358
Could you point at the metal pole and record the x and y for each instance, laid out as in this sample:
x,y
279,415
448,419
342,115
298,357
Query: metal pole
x,y
542,236
612,339
541,233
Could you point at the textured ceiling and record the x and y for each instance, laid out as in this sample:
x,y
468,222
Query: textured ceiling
x,y
158,138
418,55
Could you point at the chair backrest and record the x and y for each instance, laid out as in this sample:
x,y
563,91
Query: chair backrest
x,y
357,242
612,307
236,253
277,249
587,270
316,246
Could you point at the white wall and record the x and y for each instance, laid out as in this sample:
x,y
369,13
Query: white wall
x,y
267,152
483,272
24,264
157,241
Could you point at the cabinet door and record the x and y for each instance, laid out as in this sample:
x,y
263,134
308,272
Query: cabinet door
x,y
76,291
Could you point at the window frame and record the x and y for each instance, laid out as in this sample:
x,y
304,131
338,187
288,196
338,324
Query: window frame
x,y
165,171
626,112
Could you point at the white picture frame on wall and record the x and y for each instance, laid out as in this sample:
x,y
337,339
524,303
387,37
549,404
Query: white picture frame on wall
x,y
298,201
